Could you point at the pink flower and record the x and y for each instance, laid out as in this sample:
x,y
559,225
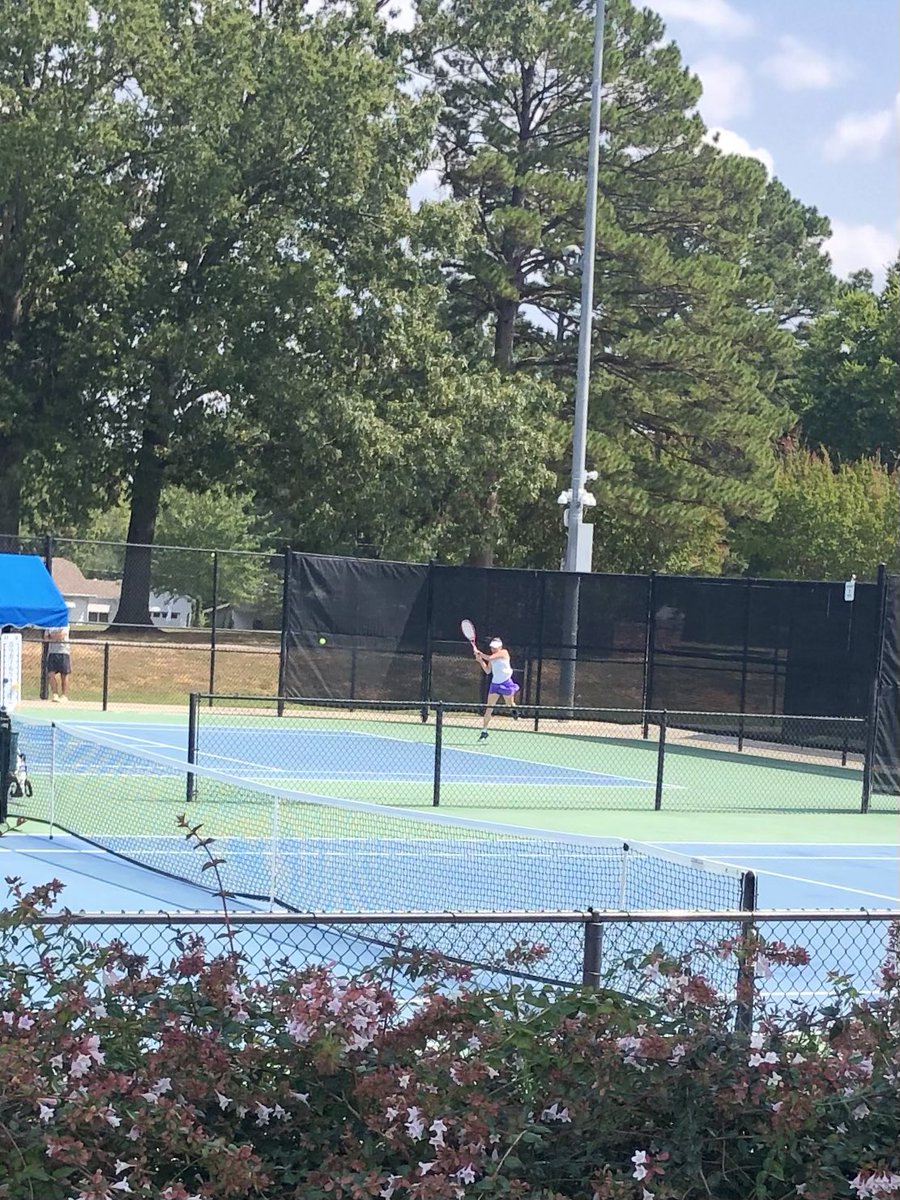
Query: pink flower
x,y
81,1064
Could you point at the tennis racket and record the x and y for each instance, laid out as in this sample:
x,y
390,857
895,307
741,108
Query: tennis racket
x,y
468,632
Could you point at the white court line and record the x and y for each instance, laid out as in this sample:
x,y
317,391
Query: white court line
x,y
885,858
834,887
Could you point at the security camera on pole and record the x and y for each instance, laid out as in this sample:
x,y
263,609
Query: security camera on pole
x,y
579,539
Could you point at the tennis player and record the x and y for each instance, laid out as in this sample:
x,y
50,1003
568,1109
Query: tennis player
x,y
498,666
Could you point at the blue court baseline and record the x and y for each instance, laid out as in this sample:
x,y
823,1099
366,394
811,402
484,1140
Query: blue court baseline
x,y
347,755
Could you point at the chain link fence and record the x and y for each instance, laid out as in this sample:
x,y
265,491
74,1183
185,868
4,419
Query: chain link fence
x,y
762,962
187,619
429,754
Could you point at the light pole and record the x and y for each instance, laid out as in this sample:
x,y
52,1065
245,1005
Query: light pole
x,y
579,536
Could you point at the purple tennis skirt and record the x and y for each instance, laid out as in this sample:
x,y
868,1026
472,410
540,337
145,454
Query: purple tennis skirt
x,y
509,687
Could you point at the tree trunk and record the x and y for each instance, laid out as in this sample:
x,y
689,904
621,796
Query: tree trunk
x,y
10,495
146,490
504,333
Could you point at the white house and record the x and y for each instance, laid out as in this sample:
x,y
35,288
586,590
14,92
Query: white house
x,y
96,601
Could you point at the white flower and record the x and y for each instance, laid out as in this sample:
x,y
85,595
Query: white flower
x,y
555,1113
25,1022
474,1043
262,1114
99,1010
122,1186
391,1113
133,1134
424,1167
403,1081
757,1041
57,1061
678,1053
162,1085
8,1018
415,1126
122,1166
111,1119
388,1190
45,1111
466,1174
861,1111
224,1101
778,1106
795,1062
639,1158
438,1128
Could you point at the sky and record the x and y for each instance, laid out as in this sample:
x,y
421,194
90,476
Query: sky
x,y
810,87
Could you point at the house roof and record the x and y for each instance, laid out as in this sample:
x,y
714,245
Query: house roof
x,y
70,580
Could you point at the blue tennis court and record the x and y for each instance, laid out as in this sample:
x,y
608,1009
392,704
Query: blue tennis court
x,y
347,755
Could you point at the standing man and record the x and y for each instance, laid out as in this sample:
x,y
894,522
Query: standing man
x,y
59,663
497,665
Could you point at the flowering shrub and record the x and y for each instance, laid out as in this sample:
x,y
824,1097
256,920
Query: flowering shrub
x,y
200,1081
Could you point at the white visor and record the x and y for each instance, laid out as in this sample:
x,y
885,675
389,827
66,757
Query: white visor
x,y
495,643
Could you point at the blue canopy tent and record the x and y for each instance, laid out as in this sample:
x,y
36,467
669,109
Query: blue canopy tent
x,y
28,595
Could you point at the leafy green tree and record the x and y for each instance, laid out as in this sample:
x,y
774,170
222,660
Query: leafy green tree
x,y
191,526
699,260
847,391
277,148
829,521
66,113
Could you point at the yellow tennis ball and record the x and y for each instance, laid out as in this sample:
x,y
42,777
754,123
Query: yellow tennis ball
x,y
322,641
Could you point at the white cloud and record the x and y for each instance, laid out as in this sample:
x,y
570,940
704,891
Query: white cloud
x,y
715,16
427,186
860,135
730,142
798,67
726,89
854,247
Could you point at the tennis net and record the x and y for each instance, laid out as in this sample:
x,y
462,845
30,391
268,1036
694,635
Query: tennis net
x,y
307,852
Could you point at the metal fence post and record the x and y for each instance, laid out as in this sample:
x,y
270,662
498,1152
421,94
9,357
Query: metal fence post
x,y
212,632
193,708
105,676
542,602
660,759
438,740
872,717
45,649
592,966
7,761
745,987
649,652
745,654
285,625
425,686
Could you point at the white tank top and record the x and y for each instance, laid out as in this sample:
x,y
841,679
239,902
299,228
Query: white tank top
x,y
501,670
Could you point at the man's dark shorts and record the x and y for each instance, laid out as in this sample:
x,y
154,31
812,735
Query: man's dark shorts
x,y
59,664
